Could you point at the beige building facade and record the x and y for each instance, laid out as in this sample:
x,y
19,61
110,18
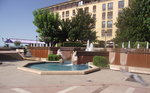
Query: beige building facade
x,y
105,12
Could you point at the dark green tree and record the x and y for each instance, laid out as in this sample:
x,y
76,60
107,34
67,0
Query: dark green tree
x,y
82,26
134,22
65,29
17,43
48,25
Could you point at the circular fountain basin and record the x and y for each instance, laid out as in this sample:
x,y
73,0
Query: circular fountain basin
x,y
56,68
66,66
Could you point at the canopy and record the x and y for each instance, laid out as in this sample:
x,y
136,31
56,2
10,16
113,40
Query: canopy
x,y
23,41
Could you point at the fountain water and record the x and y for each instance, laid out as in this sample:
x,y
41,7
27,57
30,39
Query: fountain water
x,y
74,57
89,46
122,44
138,46
129,44
60,53
147,45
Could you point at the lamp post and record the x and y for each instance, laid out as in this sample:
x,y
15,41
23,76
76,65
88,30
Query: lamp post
x,y
105,38
36,39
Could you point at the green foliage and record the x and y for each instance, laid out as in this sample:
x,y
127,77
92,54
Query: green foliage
x,y
134,22
53,30
72,44
53,57
17,43
126,44
100,61
47,24
142,44
133,44
101,43
82,27
65,29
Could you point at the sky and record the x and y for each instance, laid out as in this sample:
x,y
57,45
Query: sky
x,y
16,18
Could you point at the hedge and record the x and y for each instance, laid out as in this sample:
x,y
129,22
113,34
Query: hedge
x,y
72,44
100,61
133,44
53,57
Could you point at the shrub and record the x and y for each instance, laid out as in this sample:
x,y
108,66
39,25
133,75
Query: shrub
x,y
72,44
126,44
142,44
100,61
53,57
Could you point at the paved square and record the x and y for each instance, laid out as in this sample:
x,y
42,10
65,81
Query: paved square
x,y
13,80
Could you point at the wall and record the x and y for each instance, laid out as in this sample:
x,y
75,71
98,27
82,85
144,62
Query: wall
x,y
41,52
86,56
131,59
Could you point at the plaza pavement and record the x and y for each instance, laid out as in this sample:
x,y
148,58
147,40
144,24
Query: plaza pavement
x,y
13,80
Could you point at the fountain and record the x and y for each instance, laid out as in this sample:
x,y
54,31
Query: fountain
x,y
74,57
147,45
89,46
129,44
62,56
122,44
138,46
59,52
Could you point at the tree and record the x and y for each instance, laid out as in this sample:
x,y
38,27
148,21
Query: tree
x,y
82,26
47,25
65,29
17,43
134,22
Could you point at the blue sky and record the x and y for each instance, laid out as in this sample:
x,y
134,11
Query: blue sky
x,y
16,18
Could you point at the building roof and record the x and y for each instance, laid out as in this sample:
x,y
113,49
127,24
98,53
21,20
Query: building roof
x,y
63,3
23,41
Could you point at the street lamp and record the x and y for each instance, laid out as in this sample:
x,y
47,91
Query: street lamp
x,y
36,39
105,38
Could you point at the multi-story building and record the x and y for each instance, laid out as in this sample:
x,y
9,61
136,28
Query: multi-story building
x,y
105,12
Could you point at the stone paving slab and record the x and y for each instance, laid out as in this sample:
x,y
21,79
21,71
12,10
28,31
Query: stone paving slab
x,y
85,89
11,77
124,89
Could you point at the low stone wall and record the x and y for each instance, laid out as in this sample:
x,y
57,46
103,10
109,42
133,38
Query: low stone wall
x,y
41,52
129,58
86,56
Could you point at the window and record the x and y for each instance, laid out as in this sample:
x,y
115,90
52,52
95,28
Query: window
x,y
103,15
73,13
110,15
67,13
103,33
86,9
94,9
103,24
104,7
109,24
94,16
121,4
63,14
110,6
109,32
